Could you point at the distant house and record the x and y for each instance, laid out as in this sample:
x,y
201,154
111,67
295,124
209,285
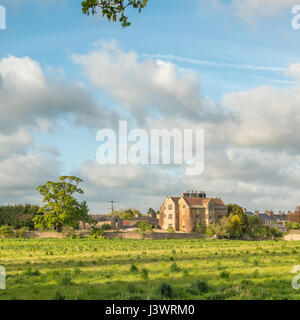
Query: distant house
x,y
268,218
114,221
183,213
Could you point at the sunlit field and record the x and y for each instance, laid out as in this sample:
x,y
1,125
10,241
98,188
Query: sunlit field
x,y
148,269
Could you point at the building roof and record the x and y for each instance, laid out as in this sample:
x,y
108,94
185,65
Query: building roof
x,y
281,217
218,201
175,199
194,202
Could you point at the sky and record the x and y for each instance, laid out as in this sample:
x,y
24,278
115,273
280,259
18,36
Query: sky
x,y
229,67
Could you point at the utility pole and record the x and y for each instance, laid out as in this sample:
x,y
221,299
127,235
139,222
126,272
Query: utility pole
x,y
112,206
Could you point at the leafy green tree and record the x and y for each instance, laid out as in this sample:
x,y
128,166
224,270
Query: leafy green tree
x,y
18,216
113,9
151,213
61,208
235,227
143,226
237,210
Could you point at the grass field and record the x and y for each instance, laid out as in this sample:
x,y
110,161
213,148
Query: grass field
x,y
117,269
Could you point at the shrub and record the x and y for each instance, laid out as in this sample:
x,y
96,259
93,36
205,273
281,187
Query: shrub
x,y
105,227
20,233
143,226
144,273
198,287
170,230
134,268
96,233
65,279
185,273
200,228
30,272
224,275
59,296
6,232
165,290
175,268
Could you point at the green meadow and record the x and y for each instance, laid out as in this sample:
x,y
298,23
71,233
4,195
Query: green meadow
x,y
148,269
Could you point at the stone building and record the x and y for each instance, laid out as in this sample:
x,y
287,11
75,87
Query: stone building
x,y
270,219
133,223
183,213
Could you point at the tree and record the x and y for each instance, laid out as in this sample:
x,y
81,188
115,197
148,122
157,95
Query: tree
x,y
151,213
143,226
113,9
294,217
61,208
237,210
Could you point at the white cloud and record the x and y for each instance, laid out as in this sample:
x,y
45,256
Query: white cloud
x,y
28,99
16,143
21,174
252,11
146,87
265,117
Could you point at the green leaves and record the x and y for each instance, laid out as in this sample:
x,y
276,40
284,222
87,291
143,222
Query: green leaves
x,y
113,9
61,208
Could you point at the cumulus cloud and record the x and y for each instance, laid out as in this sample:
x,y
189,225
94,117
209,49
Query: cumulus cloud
x,y
252,154
129,185
252,149
28,99
253,10
266,117
147,86
17,143
21,174
31,101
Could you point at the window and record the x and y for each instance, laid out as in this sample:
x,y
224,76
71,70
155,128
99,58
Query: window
x,y
170,216
170,225
170,207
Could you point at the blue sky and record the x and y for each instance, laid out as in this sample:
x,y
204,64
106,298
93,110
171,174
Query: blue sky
x,y
239,56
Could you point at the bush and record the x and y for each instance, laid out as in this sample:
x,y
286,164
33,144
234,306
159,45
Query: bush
x,y
96,233
224,275
20,233
144,273
170,230
6,232
30,272
134,268
65,279
143,226
199,287
165,290
105,227
200,228
175,268
59,296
